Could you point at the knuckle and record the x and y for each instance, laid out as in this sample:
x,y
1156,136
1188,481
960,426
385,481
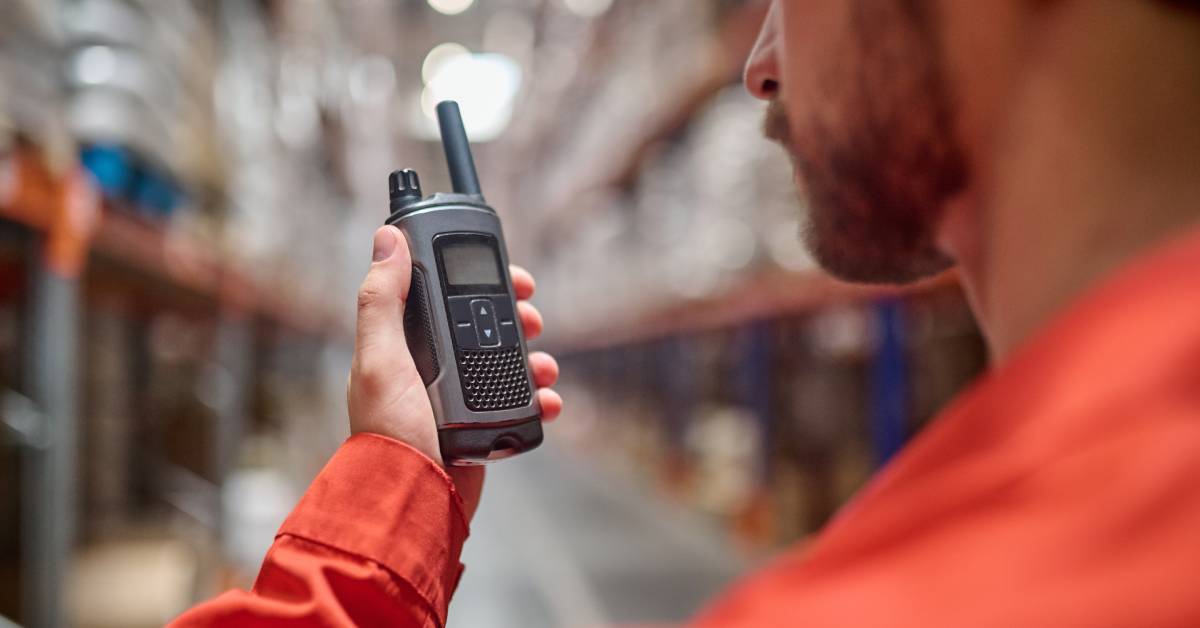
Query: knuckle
x,y
370,382
369,295
375,290
370,375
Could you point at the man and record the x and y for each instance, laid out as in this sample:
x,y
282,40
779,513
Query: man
x,y
1048,148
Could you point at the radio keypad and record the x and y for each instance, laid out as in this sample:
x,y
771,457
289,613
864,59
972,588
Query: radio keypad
x,y
483,322
490,364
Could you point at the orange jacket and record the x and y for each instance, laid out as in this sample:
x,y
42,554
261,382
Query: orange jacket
x,y
1063,490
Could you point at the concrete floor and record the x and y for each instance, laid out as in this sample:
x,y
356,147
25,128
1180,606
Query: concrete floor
x,y
558,543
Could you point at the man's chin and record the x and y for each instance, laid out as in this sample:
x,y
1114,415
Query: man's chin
x,y
864,240
853,262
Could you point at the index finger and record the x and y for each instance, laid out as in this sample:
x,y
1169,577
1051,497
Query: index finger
x,y
523,283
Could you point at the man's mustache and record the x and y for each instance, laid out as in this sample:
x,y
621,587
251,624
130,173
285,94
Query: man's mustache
x,y
775,124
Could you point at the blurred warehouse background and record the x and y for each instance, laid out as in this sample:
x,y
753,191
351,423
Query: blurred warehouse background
x,y
187,194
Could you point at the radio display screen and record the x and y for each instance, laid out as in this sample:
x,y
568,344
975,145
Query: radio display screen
x,y
470,264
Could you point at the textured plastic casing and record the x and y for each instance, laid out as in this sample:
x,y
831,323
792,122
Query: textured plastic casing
x,y
467,437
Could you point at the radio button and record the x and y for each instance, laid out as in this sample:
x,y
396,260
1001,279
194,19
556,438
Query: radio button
x,y
504,308
507,319
460,309
484,315
508,333
464,336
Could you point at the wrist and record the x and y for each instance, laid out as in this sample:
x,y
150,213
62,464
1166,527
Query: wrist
x,y
416,439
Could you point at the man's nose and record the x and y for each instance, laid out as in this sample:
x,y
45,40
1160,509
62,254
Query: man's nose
x,y
761,76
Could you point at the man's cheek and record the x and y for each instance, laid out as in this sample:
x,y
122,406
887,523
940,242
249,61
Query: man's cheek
x,y
813,90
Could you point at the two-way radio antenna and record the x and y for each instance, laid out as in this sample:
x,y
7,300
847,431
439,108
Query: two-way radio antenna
x,y
463,177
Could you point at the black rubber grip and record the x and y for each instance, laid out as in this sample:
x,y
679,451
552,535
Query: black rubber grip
x,y
418,328
476,445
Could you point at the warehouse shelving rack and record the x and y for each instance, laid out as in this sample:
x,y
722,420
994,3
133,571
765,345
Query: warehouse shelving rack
x,y
77,248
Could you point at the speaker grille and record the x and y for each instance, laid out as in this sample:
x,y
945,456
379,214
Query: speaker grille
x,y
494,379
418,329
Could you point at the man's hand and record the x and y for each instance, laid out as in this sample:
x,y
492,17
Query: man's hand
x,y
385,393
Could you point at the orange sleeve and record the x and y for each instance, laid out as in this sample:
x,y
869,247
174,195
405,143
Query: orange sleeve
x,y
375,541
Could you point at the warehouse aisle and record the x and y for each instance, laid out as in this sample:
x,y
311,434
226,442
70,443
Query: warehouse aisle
x,y
557,543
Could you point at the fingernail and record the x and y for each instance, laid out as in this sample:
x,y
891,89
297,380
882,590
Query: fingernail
x,y
385,244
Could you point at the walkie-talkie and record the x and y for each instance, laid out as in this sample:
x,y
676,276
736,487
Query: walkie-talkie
x,y
461,320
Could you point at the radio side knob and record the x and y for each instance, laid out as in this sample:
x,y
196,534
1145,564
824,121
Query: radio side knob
x,y
404,188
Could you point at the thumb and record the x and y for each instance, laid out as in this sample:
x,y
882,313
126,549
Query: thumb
x,y
382,295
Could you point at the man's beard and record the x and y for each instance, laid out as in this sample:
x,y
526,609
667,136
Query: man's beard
x,y
876,181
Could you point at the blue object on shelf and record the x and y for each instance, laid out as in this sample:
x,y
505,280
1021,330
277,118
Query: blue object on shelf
x,y
889,382
675,372
126,178
155,195
754,377
111,165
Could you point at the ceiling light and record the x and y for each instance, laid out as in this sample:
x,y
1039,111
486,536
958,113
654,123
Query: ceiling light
x,y
588,8
450,7
96,65
485,86
438,57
